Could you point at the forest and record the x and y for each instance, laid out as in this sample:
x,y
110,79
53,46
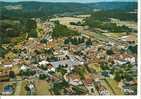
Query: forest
x,y
102,20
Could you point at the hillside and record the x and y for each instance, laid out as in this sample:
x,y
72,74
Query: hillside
x,y
15,18
44,9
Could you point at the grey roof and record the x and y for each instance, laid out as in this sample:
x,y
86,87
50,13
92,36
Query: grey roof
x,y
70,62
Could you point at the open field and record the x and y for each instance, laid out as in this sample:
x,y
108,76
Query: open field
x,y
114,86
94,66
87,32
130,24
42,87
107,87
22,91
67,20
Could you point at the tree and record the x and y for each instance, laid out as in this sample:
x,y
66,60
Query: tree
x,y
109,52
88,42
82,40
61,69
124,73
79,90
44,67
101,19
118,76
42,76
63,31
2,52
29,26
133,49
27,72
58,86
66,41
12,74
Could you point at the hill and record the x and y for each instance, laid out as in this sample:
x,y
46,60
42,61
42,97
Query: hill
x,y
45,9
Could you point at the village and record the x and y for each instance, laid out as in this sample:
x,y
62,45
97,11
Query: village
x,y
92,66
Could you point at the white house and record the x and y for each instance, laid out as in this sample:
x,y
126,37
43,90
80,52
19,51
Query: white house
x,y
43,62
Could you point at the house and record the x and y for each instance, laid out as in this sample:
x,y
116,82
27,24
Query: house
x,y
70,62
119,62
43,63
129,38
50,67
88,82
17,61
4,77
74,79
128,91
24,68
7,64
132,60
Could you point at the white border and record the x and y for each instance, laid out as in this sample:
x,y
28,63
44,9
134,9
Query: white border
x,y
139,48
70,97
99,97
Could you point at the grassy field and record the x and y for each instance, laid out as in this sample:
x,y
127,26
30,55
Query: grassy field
x,y
114,86
94,66
1,87
114,35
16,69
23,92
42,87
66,20
107,87
10,55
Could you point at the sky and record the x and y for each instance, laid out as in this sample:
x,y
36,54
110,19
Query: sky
x,y
67,0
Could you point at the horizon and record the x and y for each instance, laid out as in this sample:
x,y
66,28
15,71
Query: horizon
x,y
72,1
